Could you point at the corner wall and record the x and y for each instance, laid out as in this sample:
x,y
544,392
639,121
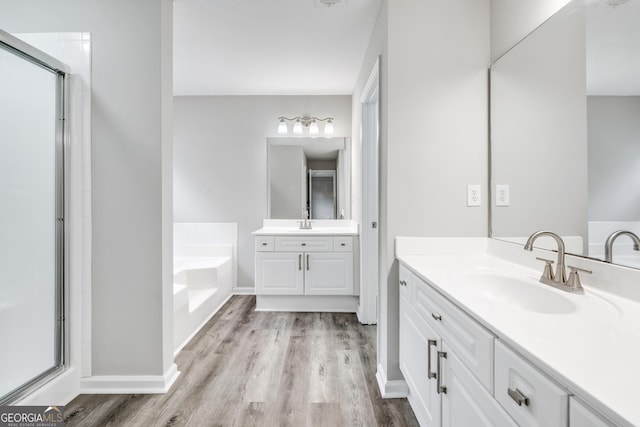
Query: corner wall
x,y
433,139
128,96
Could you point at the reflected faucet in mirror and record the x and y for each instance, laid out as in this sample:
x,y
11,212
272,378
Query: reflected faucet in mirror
x,y
608,246
305,224
559,279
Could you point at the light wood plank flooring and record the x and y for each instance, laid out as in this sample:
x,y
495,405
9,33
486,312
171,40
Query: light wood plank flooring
x,y
248,368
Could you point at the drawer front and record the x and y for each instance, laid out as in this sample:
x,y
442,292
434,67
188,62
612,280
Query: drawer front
x,y
303,244
264,243
470,341
516,380
343,244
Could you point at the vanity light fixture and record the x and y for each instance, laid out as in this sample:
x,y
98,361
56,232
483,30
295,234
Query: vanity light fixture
x,y
306,121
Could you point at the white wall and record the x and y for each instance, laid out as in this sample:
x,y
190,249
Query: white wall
x,y
614,150
512,20
220,158
539,130
437,129
129,85
433,133
287,187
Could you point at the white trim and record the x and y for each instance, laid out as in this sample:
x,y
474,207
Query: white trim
x,y
244,290
307,303
369,237
130,384
373,83
390,389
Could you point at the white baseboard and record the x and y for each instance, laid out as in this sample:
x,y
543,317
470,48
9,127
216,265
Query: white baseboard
x,y
130,384
390,389
244,290
307,303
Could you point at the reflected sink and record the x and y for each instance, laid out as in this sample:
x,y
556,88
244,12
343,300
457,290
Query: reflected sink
x,y
526,294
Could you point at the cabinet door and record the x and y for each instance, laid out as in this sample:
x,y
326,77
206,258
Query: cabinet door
x,y
279,273
466,402
328,273
419,347
582,416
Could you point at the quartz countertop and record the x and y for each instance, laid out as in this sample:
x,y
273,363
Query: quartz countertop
x,y
590,343
272,227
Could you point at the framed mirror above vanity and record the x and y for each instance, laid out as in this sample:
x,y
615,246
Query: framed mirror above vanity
x,y
565,130
310,175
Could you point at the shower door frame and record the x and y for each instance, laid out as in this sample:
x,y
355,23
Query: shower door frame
x,y
61,71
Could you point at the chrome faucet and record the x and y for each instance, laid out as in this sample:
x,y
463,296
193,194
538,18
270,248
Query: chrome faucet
x,y
559,279
305,224
608,246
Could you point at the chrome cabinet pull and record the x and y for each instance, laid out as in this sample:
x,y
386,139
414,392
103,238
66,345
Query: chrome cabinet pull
x,y
436,316
403,283
303,244
264,243
518,397
300,262
430,343
343,244
307,262
442,389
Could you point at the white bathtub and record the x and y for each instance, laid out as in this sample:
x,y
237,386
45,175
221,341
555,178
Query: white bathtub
x,y
203,275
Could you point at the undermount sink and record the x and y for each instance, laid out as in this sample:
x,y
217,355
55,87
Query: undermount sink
x,y
525,294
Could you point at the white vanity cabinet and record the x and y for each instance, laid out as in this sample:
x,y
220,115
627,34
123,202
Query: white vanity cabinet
x,y
580,415
532,399
446,359
304,265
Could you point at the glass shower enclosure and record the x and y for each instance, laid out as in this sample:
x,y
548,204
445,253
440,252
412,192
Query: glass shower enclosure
x,y
32,135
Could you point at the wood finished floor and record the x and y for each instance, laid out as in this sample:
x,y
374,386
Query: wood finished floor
x,y
248,368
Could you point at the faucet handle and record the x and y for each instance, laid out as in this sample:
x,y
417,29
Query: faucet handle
x,y
573,282
548,271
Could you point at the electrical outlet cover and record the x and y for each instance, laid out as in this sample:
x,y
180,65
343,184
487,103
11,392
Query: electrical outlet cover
x,y
473,195
502,195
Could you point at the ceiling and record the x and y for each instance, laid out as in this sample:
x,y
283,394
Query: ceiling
x,y
269,47
613,48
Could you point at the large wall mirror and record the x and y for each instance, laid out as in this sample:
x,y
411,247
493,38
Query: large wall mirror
x,y
565,130
309,176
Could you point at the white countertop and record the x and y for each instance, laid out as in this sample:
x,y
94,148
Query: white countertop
x,y
592,347
338,227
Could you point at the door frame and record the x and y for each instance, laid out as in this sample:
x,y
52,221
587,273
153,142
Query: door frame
x,y
370,229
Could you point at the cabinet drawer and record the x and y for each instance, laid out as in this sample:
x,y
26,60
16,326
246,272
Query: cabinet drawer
x,y
471,342
264,243
303,244
516,380
343,244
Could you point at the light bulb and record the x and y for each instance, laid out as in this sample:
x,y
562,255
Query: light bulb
x,y
313,128
328,128
282,127
297,127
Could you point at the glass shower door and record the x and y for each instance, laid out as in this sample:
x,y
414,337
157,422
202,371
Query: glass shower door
x,y
31,208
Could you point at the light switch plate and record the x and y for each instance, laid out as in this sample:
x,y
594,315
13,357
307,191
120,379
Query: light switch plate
x,y
473,195
502,195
